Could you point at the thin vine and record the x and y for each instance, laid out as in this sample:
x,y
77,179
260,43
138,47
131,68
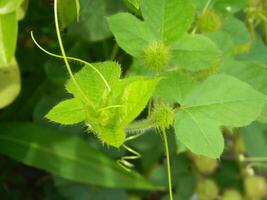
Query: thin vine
x,y
168,162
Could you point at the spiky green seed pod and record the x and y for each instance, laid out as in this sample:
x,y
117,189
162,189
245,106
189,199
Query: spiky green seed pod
x,y
157,56
162,116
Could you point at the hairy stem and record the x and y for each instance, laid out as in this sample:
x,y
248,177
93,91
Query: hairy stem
x,y
168,163
255,159
140,126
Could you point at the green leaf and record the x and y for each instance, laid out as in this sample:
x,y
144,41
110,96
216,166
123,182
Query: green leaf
x,y
230,6
9,83
220,100
73,191
8,6
254,137
132,97
237,30
169,19
109,111
99,117
227,100
67,12
195,52
135,98
135,3
199,134
223,41
131,33
92,24
70,111
174,86
251,73
91,82
8,37
258,52
65,156
224,6
263,117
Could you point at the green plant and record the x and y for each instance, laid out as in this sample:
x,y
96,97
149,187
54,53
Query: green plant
x,y
192,80
108,104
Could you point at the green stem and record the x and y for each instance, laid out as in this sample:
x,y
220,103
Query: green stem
x,y
114,52
168,163
72,59
256,159
64,53
261,165
202,13
140,126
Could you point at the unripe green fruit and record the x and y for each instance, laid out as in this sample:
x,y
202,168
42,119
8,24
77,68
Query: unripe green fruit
x,y
255,187
163,116
231,195
204,164
207,190
157,56
210,21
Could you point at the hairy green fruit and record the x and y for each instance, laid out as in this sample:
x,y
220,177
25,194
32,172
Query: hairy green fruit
x,y
210,21
204,164
207,190
231,195
163,116
255,187
157,56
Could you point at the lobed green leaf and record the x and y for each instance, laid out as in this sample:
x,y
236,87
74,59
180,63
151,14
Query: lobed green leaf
x,y
131,33
251,73
70,111
92,84
174,86
168,19
219,100
195,52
